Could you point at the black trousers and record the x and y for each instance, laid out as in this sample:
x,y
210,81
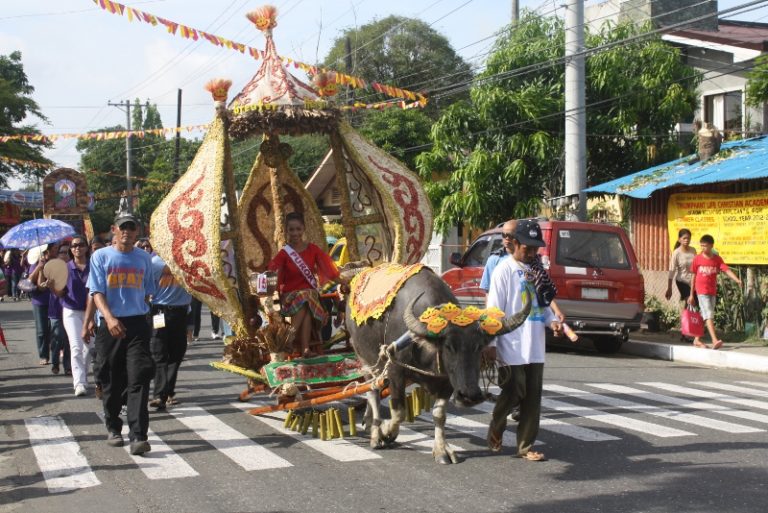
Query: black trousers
x,y
520,386
168,347
126,365
195,312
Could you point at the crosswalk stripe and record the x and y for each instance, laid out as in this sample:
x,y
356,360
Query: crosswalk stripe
x,y
562,428
58,455
233,444
754,384
339,449
699,405
697,392
613,419
161,462
656,411
730,388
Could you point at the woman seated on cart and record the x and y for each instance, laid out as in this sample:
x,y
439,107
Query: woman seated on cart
x,y
299,264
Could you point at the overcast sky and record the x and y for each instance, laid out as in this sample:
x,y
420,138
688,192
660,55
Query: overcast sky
x,y
78,56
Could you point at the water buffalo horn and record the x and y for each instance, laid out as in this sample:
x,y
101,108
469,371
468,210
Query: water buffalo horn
x,y
411,322
511,322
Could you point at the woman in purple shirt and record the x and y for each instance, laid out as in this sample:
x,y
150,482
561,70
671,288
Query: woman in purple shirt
x,y
73,301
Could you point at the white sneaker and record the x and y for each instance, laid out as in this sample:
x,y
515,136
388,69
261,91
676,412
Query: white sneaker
x,y
80,390
214,336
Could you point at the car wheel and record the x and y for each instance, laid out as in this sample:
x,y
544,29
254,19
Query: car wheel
x,y
608,345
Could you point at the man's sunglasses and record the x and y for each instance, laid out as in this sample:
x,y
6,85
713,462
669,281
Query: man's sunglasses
x,y
131,227
508,235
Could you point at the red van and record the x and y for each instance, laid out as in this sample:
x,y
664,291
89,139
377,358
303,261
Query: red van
x,y
599,285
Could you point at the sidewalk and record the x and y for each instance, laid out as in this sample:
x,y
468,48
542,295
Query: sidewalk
x,y
667,346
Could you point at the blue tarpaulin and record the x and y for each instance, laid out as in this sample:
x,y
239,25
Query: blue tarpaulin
x,y
23,199
737,160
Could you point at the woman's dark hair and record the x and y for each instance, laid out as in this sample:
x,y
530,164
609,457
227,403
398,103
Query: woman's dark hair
x,y
680,234
294,216
707,239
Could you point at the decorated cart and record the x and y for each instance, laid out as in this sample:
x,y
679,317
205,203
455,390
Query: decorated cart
x,y
218,244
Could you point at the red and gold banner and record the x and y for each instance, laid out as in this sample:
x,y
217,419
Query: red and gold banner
x,y
191,33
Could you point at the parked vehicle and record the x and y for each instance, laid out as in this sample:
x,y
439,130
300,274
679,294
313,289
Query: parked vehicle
x,y
600,287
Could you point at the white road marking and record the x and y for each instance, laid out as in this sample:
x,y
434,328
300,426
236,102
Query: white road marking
x,y
685,403
726,387
161,462
754,384
697,392
58,455
562,428
613,419
233,444
339,449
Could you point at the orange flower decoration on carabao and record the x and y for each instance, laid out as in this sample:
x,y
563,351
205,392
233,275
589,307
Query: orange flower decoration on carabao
x,y
437,324
495,313
462,320
428,314
449,311
472,312
490,325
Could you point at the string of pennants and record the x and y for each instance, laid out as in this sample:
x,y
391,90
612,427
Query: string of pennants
x,y
196,34
26,163
102,136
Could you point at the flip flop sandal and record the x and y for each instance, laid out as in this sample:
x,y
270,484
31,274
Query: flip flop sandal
x,y
717,345
700,344
533,456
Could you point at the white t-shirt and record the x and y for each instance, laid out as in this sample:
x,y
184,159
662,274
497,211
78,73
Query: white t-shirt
x,y
526,344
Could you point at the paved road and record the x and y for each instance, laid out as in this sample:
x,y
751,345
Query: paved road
x,y
622,434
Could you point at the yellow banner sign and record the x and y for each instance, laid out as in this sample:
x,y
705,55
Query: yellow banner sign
x,y
736,221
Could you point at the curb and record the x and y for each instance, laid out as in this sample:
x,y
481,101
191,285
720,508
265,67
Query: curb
x,y
723,358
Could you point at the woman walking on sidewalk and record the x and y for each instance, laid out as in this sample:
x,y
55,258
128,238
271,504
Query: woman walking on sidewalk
x,y
680,268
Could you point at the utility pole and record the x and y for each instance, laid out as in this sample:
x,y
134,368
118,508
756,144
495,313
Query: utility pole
x,y
129,187
575,111
515,12
178,137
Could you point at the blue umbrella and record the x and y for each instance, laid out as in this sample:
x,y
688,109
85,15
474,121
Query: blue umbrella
x,y
36,233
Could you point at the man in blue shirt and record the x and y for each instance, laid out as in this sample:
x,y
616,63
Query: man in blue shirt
x,y
120,282
170,305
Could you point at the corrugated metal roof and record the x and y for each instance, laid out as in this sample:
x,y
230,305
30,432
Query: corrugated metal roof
x,y
737,160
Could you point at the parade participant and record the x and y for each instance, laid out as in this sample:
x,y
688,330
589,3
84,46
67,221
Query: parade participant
x,y
296,265
120,282
521,352
12,271
169,334
40,298
96,243
195,313
705,268
680,265
60,350
143,243
74,297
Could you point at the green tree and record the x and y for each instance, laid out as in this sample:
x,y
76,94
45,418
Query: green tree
x,y
399,51
500,153
397,131
407,53
16,106
757,82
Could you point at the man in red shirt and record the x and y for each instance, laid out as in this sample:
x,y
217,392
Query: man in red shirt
x,y
705,268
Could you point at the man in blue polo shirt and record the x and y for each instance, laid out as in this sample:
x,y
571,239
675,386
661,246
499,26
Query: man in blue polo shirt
x,y
121,281
170,305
